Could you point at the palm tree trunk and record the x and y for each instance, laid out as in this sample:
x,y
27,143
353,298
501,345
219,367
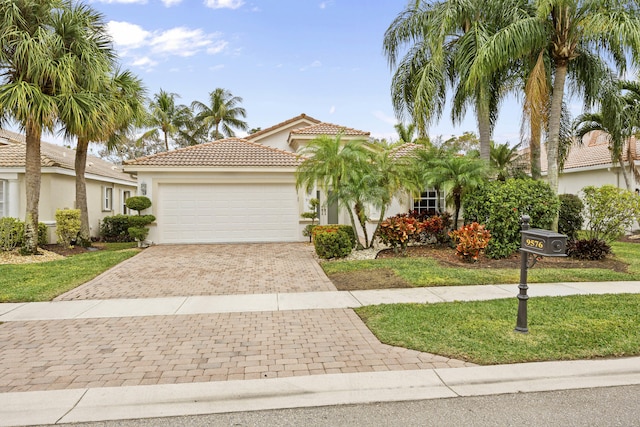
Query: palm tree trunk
x,y
383,211
166,142
484,127
359,208
625,175
33,167
355,230
81,191
457,201
553,139
534,151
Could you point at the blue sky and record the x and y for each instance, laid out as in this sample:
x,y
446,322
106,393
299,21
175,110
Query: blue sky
x,y
283,57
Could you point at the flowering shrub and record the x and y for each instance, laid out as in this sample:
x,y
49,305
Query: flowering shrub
x,y
331,242
470,239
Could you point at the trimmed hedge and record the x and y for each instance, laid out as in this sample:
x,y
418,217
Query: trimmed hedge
x,y
332,241
115,229
570,217
345,228
499,205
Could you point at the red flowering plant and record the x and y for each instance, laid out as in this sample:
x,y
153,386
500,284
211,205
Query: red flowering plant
x,y
470,240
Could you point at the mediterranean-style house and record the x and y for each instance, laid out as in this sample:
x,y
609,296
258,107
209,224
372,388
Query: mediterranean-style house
x,y
238,189
589,163
107,186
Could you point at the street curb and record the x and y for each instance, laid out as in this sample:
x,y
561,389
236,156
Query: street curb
x,y
115,403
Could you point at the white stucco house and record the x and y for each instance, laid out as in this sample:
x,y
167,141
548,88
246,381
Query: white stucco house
x,y
590,163
107,185
238,189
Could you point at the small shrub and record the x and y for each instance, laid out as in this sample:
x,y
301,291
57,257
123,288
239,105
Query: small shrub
x,y
570,215
138,233
43,234
138,203
397,231
331,242
308,231
141,220
331,227
67,226
588,249
11,233
609,211
115,229
470,240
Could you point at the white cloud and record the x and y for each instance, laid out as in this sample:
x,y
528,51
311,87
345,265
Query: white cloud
x,y
127,35
223,4
169,3
216,67
314,64
332,109
325,4
385,118
135,42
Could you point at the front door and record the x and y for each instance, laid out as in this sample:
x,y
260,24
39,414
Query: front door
x,y
333,213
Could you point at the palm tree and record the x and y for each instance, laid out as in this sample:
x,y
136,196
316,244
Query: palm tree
x,y
503,158
221,114
577,34
338,169
105,118
618,117
405,133
163,114
44,44
456,175
440,42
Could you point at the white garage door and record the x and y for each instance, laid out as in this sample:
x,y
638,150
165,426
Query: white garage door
x,y
220,213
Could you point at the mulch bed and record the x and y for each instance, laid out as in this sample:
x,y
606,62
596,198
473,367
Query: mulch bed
x,y
65,251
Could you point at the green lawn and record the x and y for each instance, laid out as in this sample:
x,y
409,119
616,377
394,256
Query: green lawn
x,y
44,281
428,272
560,328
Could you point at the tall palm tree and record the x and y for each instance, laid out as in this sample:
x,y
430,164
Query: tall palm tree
x,y
337,168
440,42
577,34
44,44
221,115
163,115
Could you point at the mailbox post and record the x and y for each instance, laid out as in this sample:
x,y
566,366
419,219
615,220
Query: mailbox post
x,y
540,242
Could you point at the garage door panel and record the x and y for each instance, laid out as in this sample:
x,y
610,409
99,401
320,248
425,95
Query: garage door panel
x,y
217,213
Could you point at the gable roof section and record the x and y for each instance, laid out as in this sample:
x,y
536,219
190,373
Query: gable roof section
x,y
229,152
328,129
13,154
301,119
407,149
593,152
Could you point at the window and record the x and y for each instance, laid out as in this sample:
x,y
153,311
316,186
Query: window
x,y
3,193
125,195
107,198
429,202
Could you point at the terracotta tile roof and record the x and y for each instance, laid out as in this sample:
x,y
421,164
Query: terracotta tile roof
x,y
406,150
12,154
593,151
328,129
235,152
281,124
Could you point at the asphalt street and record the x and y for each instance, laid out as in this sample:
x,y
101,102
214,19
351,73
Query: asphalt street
x,y
607,406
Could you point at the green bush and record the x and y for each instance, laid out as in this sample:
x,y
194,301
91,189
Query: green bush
x,y
43,237
138,203
141,220
588,249
115,229
67,226
570,216
609,211
345,228
11,233
499,205
332,242
138,233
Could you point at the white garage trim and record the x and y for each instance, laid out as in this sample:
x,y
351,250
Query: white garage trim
x,y
227,212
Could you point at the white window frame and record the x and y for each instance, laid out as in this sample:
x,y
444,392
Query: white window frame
x,y
124,195
3,198
429,201
107,199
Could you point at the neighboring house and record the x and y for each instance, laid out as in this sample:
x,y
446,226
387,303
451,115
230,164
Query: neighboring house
x,y
107,186
590,163
236,189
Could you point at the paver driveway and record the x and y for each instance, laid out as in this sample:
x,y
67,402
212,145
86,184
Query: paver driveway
x,y
225,269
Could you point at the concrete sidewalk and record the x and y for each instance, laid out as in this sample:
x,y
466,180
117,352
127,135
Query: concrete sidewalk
x,y
86,309
292,313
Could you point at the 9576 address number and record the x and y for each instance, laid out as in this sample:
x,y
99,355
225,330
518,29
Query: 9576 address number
x,y
534,243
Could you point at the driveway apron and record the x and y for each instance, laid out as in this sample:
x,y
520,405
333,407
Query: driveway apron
x,y
147,350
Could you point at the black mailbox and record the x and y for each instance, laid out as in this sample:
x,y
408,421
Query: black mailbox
x,y
543,242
